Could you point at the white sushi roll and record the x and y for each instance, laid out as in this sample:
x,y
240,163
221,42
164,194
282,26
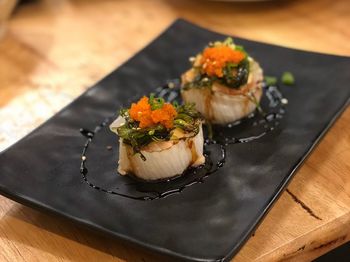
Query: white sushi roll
x,y
226,94
177,147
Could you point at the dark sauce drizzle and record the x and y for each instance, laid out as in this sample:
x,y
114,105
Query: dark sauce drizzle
x,y
214,148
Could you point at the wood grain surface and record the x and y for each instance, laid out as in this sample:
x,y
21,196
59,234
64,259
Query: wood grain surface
x,y
54,50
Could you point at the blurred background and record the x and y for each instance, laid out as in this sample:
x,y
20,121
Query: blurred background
x,y
53,50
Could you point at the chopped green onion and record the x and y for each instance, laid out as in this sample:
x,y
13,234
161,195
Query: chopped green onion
x,y
239,48
228,41
287,78
156,103
270,80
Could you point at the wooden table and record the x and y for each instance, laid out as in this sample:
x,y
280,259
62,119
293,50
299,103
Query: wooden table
x,y
54,50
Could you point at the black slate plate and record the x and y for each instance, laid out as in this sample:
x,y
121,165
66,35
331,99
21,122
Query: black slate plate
x,y
208,221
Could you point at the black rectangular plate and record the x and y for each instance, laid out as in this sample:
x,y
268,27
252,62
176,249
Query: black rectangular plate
x,y
208,221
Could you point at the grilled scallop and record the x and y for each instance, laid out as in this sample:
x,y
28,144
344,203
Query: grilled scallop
x,y
224,83
158,140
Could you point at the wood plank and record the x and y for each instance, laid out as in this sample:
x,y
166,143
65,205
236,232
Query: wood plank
x,y
54,50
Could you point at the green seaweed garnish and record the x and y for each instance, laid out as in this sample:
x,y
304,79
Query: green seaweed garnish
x,y
235,75
187,119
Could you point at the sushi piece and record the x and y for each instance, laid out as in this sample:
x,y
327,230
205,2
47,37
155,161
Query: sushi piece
x,y
224,82
158,140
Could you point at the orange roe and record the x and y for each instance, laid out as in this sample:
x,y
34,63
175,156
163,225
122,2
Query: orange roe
x,y
215,58
165,115
142,112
